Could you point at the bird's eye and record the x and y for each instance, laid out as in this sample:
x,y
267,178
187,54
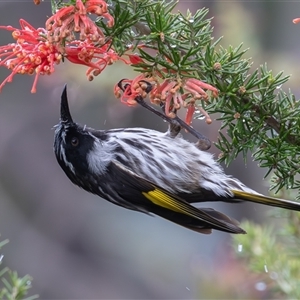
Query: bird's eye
x,y
74,141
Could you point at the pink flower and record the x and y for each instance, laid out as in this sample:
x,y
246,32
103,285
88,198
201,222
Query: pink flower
x,y
176,94
196,88
96,58
173,94
135,59
165,93
31,53
190,112
296,21
131,89
75,19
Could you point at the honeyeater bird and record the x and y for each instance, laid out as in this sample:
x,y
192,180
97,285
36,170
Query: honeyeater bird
x,y
151,172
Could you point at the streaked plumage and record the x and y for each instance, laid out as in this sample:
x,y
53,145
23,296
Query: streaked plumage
x,y
151,172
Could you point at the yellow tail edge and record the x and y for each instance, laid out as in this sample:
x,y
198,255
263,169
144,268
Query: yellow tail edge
x,y
257,198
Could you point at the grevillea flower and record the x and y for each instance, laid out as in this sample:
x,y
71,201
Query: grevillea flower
x,y
173,94
75,19
196,88
31,53
34,53
132,89
296,21
135,59
96,58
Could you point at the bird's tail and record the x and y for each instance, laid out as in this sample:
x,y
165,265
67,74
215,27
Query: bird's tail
x,y
257,198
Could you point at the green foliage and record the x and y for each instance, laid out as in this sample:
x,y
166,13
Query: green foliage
x,y
260,117
13,287
175,39
273,253
56,4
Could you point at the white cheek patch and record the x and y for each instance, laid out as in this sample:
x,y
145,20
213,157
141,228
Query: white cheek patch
x,y
99,157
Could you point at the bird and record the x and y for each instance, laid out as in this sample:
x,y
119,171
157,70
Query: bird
x,y
153,172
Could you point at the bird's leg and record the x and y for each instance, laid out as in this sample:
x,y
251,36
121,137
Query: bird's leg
x,y
176,124
174,128
203,142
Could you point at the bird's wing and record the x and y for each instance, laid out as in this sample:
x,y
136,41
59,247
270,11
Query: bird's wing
x,y
143,193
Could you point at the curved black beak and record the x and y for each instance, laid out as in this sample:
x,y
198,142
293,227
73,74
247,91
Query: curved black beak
x,y
65,115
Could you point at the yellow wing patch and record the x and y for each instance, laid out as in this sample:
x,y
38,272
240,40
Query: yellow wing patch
x,y
173,203
162,199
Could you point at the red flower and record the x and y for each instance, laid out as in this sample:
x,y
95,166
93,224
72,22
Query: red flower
x,y
165,93
176,94
132,89
135,59
74,18
172,93
190,112
196,88
96,58
296,21
31,53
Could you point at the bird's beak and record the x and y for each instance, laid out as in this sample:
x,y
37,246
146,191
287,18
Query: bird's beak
x,y
65,116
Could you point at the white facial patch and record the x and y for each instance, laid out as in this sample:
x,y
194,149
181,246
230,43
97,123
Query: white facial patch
x,y
99,157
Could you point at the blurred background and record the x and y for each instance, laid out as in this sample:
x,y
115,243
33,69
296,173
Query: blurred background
x,y
78,246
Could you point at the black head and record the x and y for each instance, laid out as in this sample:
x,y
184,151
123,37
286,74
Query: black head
x,y
72,143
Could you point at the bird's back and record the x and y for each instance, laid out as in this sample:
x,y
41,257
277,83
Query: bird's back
x,y
175,164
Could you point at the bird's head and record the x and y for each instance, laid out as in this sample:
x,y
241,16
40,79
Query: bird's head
x,y
72,144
